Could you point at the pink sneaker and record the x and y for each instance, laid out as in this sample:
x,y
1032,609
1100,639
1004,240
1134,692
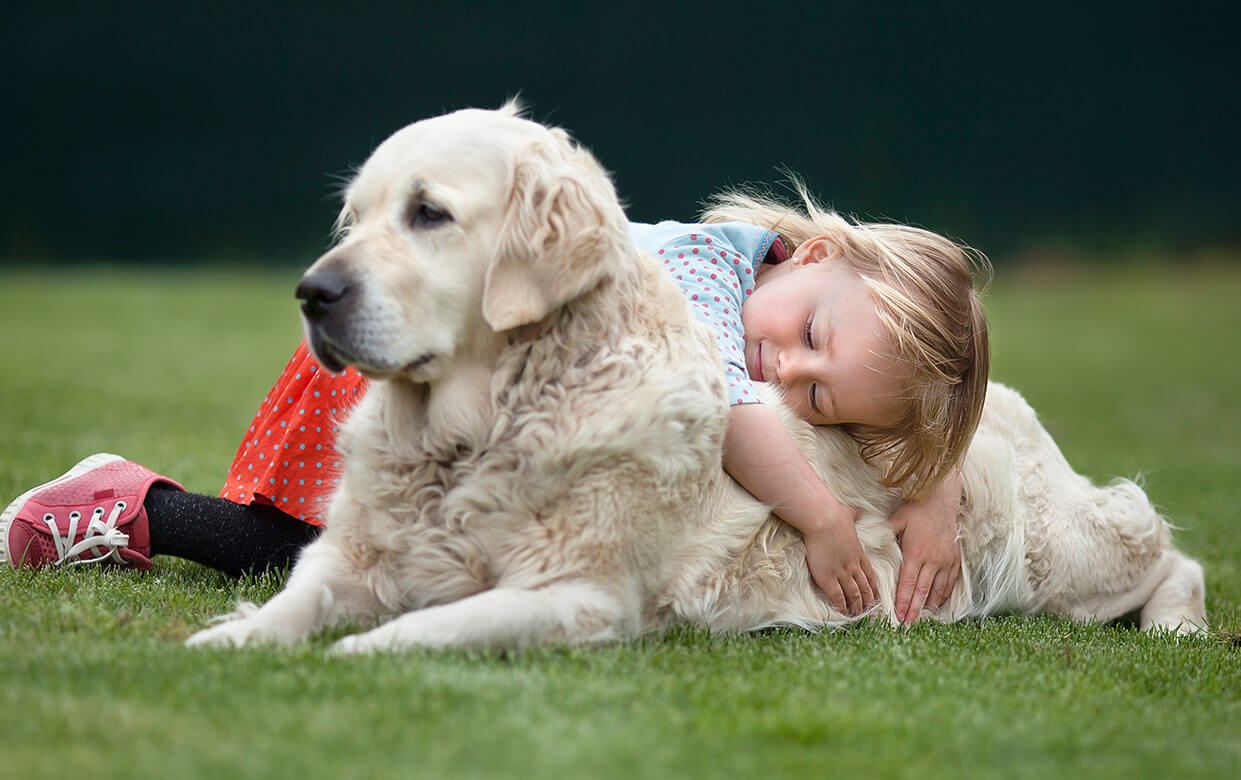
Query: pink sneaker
x,y
91,514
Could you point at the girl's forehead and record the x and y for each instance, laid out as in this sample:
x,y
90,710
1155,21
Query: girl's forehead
x,y
833,281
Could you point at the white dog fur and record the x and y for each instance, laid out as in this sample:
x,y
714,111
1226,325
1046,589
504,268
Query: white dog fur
x,y
538,457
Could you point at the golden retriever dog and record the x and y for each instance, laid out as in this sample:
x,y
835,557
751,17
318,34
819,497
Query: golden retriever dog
x,y
538,458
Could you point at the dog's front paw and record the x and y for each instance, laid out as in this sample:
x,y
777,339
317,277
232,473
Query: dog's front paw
x,y
383,639
231,630
234,633
355,644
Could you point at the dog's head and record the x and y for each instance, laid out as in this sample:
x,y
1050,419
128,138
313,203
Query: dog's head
x,y
458,228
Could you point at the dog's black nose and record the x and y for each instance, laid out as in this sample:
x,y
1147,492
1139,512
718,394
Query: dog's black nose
x,y
320,292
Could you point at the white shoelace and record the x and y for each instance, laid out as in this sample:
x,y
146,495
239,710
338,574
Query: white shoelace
x,y
99,534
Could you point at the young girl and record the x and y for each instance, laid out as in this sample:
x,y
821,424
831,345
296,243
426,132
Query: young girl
x,y
873,327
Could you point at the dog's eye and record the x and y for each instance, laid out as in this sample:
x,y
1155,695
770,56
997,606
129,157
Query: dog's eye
x,y
426,215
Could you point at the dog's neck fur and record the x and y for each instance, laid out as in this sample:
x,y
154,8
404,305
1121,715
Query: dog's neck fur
x,y
576,333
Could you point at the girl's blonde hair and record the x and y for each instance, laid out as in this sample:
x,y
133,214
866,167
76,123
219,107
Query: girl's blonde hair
x,y
923,287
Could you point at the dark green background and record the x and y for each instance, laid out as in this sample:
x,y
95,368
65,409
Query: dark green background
x,y
161,131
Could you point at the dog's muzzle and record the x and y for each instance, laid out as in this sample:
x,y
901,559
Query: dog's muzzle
x,y
330,305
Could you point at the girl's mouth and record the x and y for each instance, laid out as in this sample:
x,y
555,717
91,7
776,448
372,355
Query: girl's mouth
x,y
758,362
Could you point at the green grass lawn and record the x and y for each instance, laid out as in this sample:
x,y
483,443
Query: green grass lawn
x,y
1133,371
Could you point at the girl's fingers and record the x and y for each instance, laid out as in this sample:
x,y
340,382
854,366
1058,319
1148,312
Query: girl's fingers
x,y
837,597
854,596
940,595
938,590
925,578
905,589
864,588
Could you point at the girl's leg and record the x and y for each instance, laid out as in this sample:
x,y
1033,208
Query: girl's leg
x,y
110,510
233,538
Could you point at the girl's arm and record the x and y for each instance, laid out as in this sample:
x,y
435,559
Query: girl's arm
x,y
927,530
760,454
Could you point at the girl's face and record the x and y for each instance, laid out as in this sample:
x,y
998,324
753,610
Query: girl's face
x,y
811,328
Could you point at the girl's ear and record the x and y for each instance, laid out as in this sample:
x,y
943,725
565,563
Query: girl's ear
x,y
815,250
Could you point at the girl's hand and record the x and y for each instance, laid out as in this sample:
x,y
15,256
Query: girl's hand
x,y
927,532
761,456
838,564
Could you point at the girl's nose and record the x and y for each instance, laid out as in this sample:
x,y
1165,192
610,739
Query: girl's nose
x,y
788,366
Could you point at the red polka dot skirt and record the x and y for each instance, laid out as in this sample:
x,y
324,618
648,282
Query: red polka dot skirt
x,y
287,458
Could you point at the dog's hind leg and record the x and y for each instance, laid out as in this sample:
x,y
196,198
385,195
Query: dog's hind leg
x,y
507,618
1177,603
323,589
1169,595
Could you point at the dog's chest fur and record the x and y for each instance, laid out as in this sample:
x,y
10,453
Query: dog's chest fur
x,y
510,473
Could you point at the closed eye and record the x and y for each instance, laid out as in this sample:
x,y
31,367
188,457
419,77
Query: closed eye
x,y
808,338
425,215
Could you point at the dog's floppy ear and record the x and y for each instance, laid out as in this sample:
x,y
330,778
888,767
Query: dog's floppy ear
x,y
563,228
